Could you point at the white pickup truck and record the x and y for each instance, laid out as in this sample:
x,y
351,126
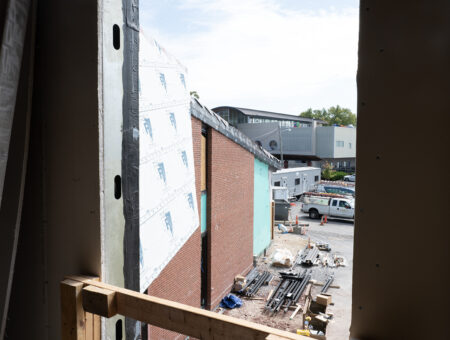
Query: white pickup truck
x,y
340,207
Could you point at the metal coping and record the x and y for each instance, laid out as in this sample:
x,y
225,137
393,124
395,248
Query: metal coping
x,y
219,124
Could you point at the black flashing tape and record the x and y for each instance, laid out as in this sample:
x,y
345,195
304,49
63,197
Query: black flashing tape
x,y
130,153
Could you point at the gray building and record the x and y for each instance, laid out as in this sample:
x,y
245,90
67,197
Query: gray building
x,y
337,145
298,141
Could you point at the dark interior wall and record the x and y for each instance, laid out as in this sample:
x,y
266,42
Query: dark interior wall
x,y
17,156
15,74
402,230
61,218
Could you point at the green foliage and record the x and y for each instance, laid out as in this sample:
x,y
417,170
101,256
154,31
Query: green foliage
x,y
331,175
334,115
194,94
327,171
337,175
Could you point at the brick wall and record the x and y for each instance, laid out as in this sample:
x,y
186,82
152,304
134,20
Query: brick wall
x,y
180,280
230,228
230,214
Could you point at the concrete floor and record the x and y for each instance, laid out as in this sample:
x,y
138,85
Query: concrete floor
x,y
339,234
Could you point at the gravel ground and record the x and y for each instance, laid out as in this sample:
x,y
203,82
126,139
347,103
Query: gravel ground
x,y
339,234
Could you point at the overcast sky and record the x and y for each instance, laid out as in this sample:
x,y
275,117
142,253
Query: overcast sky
x,y
275,55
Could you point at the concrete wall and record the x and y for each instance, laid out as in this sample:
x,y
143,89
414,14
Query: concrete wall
x,y
403,77
110,146
261,208
230,214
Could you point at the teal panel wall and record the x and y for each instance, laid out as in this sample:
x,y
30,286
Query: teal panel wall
x,y
203,212
261,208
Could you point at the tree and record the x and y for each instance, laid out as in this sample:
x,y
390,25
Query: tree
x,y
327,170
334,115
194,94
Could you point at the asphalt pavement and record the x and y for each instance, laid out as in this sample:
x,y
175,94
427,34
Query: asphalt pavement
x,y
339,234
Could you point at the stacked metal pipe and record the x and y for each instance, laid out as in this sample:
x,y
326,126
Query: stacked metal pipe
x,y
308,256
254,281
288,291
327,284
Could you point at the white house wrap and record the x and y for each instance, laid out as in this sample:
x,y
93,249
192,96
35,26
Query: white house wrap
x,y
168,204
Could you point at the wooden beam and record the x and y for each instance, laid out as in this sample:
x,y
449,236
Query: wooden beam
x,y
76,324
99,301
275,337
180,318
72,313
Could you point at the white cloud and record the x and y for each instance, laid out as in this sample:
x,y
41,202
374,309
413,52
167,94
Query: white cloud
x,y
253,53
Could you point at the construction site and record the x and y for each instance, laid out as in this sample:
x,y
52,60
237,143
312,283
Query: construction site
x,y
301,278
129,209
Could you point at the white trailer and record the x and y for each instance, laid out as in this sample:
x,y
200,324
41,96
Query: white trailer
x,y
297,180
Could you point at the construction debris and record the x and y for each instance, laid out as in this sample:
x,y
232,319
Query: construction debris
x,y
230,301
285,229
301,230
323,299
331,261
295,293
323,246
239,283
282,258
339,261
295,312
327,284
307,257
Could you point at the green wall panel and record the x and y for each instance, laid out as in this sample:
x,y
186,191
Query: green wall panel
x,y
203,212
261,208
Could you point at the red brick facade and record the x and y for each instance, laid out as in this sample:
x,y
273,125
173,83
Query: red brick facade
x,y
180,280
230,214
230,228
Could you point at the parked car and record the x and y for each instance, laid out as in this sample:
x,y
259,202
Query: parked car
x,y
317,206
350,178
336,189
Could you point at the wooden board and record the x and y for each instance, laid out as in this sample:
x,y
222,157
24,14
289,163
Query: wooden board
x,y
76,323
180,318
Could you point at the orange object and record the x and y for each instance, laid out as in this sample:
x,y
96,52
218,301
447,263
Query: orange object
x,y
325,220
321,221
296,220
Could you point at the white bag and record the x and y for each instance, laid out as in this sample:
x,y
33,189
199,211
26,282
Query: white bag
x,y
282,258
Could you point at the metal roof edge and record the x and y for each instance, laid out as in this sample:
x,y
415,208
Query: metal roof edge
x,y
216,122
